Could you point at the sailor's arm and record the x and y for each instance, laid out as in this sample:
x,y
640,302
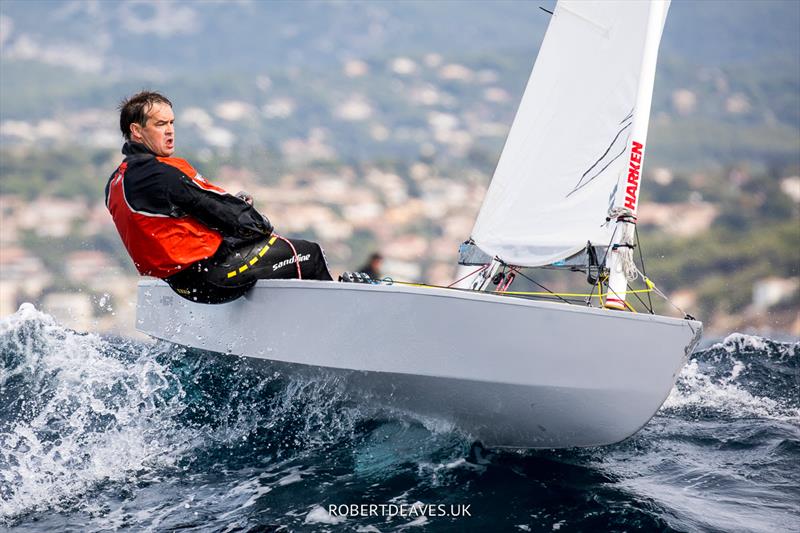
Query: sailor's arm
x,y
211,205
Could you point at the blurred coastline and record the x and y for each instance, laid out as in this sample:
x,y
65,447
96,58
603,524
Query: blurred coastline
x,y
365,143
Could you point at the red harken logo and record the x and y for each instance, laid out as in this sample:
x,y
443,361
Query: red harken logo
x,y
633,176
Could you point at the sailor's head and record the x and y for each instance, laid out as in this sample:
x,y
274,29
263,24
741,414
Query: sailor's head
x,y
147,118
375,260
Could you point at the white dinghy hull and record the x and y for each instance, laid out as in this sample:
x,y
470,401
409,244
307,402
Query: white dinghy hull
x,y
512,372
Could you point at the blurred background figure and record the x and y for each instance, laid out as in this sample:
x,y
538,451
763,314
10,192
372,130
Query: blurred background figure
x,y
373,266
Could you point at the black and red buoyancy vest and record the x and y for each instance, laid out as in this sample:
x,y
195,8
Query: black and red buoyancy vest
x,y
169,216
159,243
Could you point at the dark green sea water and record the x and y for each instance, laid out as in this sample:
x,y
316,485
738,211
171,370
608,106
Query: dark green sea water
x,y
101,434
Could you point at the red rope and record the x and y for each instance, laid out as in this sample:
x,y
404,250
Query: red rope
x,y
296,257
509,279
503,287
484,267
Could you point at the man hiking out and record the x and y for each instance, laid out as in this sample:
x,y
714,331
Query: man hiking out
x,y
208,245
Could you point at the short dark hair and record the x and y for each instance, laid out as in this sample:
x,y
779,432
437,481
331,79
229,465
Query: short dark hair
x,y
134,110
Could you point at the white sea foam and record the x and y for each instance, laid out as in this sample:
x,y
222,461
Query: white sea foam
x,y
717,386
736,342
294,477
96,411
367,529
253,489
87,418
318,515
697,388
708,475
698,506
439,473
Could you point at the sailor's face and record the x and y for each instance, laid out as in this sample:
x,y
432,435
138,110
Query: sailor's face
x,y
158,134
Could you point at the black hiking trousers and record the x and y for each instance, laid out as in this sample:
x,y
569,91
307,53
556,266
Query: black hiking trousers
x,y
231,272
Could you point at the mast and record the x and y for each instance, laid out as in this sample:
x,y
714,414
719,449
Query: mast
x,y
620,257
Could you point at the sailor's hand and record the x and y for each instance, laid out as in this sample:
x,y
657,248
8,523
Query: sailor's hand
x,y
246,196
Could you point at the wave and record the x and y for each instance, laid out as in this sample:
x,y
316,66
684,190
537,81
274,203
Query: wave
x,y
721,453
80,412
742,376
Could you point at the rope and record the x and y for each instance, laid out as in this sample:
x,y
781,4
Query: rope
x,y
623,300
484,267
624,247
644,270
296,257
620,212
560,295
509,279
539,285
651,287
575,294
599,286
642,302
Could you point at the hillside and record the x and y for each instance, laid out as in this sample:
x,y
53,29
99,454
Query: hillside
x,y
728,85
378,126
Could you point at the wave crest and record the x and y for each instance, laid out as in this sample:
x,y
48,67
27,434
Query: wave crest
x,y
742,376
78,411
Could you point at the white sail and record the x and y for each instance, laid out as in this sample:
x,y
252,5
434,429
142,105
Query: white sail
x,y
565,161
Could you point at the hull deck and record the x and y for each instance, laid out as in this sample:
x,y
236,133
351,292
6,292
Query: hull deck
x,y
512,372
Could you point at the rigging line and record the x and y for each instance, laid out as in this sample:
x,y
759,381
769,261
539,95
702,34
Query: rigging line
x,y
591,294
536,296
599,292
484,267
580,184
565,294
545,10
390,281
658,291
624,300
610,244
509,280
644,270
617,296
542,286
638,298
500,279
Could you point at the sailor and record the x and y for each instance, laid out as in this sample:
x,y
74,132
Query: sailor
x,y
372,267
208,245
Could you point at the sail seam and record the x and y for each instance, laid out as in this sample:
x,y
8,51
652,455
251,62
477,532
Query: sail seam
x,y
605,31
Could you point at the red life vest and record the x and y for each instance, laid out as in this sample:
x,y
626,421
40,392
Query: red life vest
x,y
161,245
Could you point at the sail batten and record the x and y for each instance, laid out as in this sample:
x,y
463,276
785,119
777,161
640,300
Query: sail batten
x,y
564,164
